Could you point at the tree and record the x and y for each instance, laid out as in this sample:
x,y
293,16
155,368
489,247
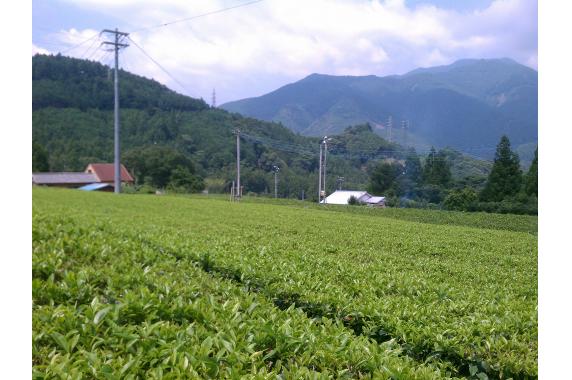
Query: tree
x,y
531,180
505,179
460,200
182,179
383,178
39,158
162,166
353,201
437,170
413,173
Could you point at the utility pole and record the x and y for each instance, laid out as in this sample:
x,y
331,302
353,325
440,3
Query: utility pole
x,y
322,172
117,163
320,176
276,169
238,192
325,153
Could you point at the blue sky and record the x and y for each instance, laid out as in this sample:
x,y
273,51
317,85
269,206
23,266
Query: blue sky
x,y
257,48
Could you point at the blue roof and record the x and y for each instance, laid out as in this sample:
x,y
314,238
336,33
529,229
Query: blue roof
x,y
94,186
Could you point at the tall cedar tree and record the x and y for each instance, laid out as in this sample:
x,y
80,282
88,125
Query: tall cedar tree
x,y
413,173
505,179
531,180
437,170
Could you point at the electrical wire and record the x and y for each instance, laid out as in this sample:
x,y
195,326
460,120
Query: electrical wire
x,y
159,65
89,48
197,16
79,44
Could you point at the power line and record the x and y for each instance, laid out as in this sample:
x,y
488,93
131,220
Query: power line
x,y
89,48
79,44
197,16
157,63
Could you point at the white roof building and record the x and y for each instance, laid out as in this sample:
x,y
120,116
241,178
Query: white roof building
x,y
341,197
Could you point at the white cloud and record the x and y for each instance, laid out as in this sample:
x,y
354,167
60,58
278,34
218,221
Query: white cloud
x,y
39,50
252,50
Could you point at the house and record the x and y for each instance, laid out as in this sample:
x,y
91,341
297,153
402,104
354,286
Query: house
x,y
105,173
342,197
63,179
94,174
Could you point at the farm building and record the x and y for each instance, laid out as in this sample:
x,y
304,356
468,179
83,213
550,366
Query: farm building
x,y
94,174
342,197
105,173
63,179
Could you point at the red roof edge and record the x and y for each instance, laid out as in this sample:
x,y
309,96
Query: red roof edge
x,y
106,172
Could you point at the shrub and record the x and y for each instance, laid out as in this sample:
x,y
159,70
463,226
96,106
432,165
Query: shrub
x,y
353,201
460,200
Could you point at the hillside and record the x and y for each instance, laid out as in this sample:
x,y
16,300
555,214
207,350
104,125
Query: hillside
x,y
467,105
72,120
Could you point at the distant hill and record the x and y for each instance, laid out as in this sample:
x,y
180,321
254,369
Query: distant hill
x,y
467,105
72,120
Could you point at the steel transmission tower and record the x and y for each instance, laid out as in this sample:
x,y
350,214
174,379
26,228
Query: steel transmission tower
x,y
117,162
390,126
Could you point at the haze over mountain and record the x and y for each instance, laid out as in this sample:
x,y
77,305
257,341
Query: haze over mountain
x,y
467,105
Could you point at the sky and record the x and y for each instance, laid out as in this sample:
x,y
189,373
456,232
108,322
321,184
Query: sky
x,y
258,47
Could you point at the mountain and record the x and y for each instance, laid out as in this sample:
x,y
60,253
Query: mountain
x,y
72,125
72,121
467,105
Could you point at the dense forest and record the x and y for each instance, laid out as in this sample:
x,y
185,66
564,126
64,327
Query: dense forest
x,y
179,143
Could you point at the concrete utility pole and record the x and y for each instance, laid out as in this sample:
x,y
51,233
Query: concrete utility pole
x,y
320,176
322,172
276,169
117,163
325,153
238,192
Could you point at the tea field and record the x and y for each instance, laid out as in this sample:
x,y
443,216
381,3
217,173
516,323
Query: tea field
x,y
143,286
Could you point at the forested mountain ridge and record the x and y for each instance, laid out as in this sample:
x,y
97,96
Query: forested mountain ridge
x,y
467,105
63,82
72,121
